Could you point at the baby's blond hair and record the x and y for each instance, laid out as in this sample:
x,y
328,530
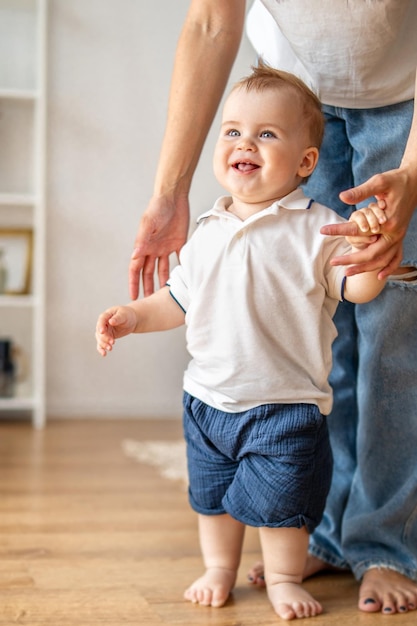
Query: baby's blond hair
x,y
264,77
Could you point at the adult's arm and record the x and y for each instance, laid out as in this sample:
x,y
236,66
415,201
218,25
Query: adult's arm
x,y
205,54
396,191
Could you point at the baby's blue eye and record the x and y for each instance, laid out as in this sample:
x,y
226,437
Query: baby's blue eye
x,y
233,133
267,133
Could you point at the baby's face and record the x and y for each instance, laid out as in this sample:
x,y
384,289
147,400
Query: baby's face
x,y
260,154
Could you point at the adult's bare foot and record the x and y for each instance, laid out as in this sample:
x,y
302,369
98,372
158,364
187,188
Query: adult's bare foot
x,y
256,574
387,591
313,566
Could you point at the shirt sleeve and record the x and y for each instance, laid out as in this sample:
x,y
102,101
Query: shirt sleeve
x,y
335,274
178,287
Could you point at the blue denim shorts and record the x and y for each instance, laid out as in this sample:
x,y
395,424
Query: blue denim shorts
x,y
269,466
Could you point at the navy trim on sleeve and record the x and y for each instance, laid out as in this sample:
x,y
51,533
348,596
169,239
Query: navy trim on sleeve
x,y
342,289
174,298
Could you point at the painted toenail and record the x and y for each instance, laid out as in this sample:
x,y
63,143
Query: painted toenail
x,y
369,601
401,608
387,609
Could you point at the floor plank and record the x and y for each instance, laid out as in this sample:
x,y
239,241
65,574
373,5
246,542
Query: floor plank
x,y
89,536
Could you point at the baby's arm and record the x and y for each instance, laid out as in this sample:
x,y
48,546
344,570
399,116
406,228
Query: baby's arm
x,y
365,286
158,311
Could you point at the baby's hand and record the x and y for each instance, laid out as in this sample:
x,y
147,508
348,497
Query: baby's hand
x,y
114,323
369,221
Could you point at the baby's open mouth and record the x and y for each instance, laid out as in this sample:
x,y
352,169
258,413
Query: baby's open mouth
x,y
245,166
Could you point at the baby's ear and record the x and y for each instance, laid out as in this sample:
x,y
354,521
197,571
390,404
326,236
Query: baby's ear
x,y
309,162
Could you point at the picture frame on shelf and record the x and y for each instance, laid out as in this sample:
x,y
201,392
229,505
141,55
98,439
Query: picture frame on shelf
x,y
16,251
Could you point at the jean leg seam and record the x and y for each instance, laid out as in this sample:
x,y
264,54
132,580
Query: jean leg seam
x,y
328,558
412,519
361,568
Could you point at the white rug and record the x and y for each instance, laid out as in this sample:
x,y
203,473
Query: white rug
x,y
167,456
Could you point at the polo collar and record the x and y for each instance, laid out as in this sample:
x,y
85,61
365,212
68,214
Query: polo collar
x,y
294,201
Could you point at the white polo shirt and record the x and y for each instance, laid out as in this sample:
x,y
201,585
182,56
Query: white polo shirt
x,y
259,297
352,53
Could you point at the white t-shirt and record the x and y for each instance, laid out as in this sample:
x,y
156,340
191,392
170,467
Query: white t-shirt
x,y
352,53
259,297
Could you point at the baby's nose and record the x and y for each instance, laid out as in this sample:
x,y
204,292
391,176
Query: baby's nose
x,y
247,143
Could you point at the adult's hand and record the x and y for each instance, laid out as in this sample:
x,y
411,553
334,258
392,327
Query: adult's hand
x,y
210,37
396,192
162,230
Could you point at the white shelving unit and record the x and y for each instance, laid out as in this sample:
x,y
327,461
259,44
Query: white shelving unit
x,y
22,191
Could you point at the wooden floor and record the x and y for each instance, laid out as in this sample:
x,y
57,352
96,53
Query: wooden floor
x,y
89,536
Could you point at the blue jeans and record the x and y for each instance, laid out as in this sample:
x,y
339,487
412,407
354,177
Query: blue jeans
x,y
371,512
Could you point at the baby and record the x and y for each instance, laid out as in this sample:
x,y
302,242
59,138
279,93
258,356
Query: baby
x,y
257,290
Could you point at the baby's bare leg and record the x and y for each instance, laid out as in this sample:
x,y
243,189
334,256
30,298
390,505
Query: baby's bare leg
x,y
284,553
221,539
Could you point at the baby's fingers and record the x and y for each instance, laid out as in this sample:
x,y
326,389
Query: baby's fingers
x,y
375,216
378,210
366,220
104,333
369,219
105,341
101,349
360,219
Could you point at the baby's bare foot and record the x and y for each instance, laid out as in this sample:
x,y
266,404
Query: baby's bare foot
x,y
213,588
387,591
291,601
314,565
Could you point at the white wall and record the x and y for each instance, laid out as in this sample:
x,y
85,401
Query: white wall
x,y
109,69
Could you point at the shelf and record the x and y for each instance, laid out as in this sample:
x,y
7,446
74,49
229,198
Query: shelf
x,y
17,404
17,301
23,47
18,94
17,199
22,400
